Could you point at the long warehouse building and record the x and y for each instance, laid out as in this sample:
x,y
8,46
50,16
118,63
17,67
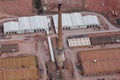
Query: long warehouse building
x,y
99,62
19,68
26,25
76,21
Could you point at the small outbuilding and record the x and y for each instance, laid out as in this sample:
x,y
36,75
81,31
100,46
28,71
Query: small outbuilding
x,y
78,41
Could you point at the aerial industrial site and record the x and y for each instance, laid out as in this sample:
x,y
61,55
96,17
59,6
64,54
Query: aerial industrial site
x,y
59,40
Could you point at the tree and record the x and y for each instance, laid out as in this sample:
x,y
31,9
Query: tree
x,y
38,6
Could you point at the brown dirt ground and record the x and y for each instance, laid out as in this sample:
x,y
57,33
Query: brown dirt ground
x,y
104,7
16,7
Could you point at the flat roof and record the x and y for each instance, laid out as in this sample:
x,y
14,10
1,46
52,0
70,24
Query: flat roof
x,y
4,48
77,36
105,39
101,40
77,42
100,61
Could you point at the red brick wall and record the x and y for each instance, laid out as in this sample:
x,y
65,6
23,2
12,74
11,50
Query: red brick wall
x,y
16,7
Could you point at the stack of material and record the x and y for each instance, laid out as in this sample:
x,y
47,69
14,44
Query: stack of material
x,y
18,68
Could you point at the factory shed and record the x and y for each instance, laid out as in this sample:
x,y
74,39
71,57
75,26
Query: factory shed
x,y
39,23
91,21
100,62
101,40
76,19
66,21
18,68
23,74
11,27
105,40
24,24
4,48
78,41
27,25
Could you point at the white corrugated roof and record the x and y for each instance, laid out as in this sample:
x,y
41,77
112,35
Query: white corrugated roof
x,y
55,20
24,23
27,23
76,19
90,20
35,22
39,22
66,20
10,26
45,22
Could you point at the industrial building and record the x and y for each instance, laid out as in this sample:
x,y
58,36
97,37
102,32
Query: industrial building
x,y
91,21
39,23
76,21
66,22
27,25
84,40
100,62
78,41
18,68
4,48
11,27
24,25
105,39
